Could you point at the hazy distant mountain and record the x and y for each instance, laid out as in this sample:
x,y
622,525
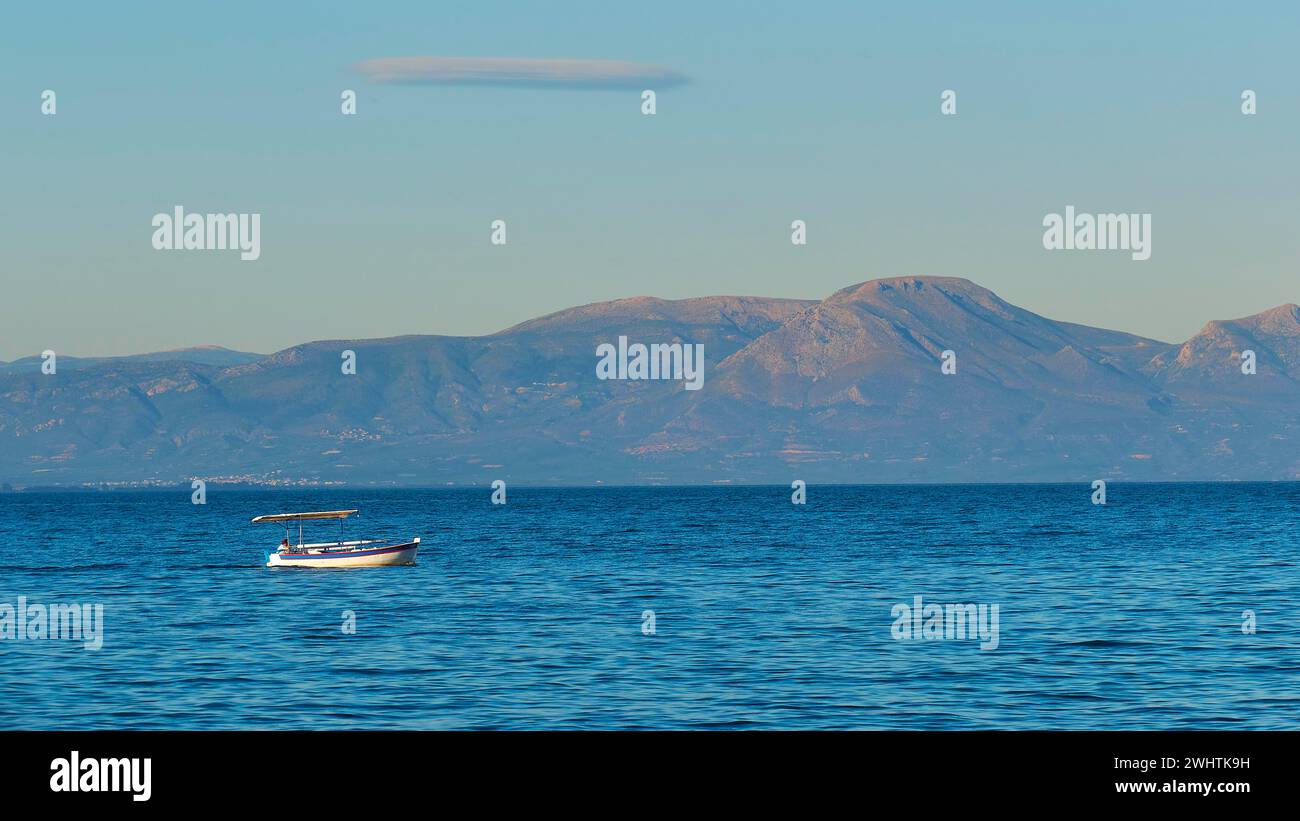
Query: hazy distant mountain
x,y
1212,357
202,354
847,389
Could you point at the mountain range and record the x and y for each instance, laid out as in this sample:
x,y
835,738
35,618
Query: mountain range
x,y
845,389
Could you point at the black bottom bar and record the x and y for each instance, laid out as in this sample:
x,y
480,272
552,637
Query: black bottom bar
x,y
280,770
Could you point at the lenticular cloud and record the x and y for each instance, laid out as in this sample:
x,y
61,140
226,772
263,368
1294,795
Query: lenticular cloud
x,y
518,72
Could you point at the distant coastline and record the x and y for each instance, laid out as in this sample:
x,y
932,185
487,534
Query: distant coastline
x,y
183,488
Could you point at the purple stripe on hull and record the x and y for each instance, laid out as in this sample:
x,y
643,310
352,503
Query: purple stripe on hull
x,y
347,555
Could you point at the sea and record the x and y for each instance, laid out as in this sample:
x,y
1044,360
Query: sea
x,y
1171,606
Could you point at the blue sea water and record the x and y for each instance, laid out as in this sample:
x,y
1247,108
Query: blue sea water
x,y
766,614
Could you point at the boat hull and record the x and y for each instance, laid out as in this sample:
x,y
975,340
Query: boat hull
x,y
366,557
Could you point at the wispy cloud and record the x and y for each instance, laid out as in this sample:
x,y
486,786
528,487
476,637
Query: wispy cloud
x,y
519,72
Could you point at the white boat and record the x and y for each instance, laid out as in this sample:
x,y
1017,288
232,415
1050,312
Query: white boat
x,y
341,553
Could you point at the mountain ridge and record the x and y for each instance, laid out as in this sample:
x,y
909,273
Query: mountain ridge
x,y
204,354
846,389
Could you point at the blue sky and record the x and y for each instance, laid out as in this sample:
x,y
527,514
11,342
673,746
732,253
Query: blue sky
x,y
378,224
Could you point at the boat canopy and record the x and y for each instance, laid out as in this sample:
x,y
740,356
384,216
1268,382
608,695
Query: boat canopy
x,y
299,517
